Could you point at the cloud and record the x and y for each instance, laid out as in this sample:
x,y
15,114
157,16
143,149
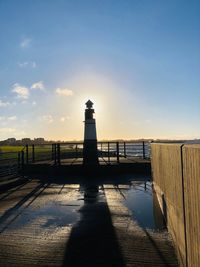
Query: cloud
x,y
12,118
31,64
21,91
4,120
34,103
4,104
38,86
34,65
22,64
46,118
63,119
5,132
64,92
25,42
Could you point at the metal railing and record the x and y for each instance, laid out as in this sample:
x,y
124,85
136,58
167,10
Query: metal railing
x,y
9,163
113,151
58,153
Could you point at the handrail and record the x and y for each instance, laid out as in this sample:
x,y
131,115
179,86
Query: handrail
x,y
109,151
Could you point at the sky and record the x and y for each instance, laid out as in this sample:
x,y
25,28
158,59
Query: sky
x,y
137,60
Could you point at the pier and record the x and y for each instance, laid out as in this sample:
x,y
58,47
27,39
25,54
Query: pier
x,y
113,157
80,223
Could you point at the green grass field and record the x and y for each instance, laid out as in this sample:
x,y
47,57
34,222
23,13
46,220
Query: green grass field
x,y
11,148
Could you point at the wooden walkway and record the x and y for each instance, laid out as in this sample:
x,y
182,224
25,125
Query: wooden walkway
x,y
102,161
48,224
75,166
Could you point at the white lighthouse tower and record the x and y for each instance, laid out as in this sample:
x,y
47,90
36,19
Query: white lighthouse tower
x,y
90,152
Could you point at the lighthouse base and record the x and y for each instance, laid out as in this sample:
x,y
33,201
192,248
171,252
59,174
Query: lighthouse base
x,y
90,152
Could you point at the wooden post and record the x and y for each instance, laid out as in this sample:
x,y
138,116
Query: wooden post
x,y
125,149
26,154
33,153
143,149
117,147
58,154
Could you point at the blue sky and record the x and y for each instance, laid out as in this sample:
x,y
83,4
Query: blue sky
x,y
138,60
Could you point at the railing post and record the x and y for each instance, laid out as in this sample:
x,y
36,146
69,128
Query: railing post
x,y
109,152
143,149
55,154
125,149
58,154
33,153
76,151
26,154
19,160
22,160
117,147
52,151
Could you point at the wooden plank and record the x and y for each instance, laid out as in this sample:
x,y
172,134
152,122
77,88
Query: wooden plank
x,y
167,176
191,160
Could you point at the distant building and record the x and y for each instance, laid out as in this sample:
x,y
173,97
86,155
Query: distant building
x,y
39,140
11,141
26,141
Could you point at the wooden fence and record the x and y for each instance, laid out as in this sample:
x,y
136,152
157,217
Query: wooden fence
x,y
176,176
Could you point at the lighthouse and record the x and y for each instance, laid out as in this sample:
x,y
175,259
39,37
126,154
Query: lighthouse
x,y
90,152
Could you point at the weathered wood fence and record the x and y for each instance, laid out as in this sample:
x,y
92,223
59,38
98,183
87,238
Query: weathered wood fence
x,y
176,176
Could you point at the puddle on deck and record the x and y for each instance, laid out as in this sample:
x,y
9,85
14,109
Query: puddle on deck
x,y
142,202
64,211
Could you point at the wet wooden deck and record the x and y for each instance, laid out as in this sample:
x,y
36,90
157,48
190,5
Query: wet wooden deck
x,y
75,165
102,161
53,224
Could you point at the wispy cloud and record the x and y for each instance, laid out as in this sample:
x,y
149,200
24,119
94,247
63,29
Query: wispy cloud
x,y
12,118
38,86
7,119
6,131
4,104
25,42
21,91
64,92
22,64
31,64
46,118
63,119
34,65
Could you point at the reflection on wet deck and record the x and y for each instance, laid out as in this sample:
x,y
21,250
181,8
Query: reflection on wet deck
x,y
85,224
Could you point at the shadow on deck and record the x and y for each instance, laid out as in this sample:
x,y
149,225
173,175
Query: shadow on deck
x,y
82,224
